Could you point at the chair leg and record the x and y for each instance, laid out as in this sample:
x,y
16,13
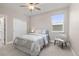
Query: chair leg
x,y
54,42
62,45
65,44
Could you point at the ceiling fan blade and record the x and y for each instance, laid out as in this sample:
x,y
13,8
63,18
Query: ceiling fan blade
x,y
37,8
23,6
36,3
33,3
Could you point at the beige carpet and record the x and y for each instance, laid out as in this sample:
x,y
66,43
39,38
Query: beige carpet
x,y
10,51
51,50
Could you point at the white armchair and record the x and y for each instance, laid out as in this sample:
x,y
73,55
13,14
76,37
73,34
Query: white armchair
x,y
61,40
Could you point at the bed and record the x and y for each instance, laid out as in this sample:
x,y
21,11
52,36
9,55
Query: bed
x,y
31,43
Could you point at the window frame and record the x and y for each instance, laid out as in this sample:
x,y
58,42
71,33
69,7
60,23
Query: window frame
x,y
57,13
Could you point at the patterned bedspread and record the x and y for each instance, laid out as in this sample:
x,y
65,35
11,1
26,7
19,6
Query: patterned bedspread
x,y
31,43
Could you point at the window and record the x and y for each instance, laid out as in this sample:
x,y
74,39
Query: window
x,y
57,21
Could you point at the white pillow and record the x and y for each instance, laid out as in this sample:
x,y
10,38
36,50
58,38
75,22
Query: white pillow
x,y
44,32
38,31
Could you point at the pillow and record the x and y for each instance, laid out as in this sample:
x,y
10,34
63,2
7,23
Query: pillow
x,y
44,32
38,31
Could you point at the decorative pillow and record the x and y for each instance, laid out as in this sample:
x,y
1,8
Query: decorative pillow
x,y
44,32
38,31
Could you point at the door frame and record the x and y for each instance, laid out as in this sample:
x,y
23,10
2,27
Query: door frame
x,y
5,29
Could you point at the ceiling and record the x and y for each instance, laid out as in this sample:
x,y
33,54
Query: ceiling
x,y
45,7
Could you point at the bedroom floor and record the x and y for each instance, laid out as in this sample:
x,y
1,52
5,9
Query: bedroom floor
x,y
51,50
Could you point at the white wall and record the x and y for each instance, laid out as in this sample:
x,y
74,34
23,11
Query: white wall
x,y
74,27
43,21
11,13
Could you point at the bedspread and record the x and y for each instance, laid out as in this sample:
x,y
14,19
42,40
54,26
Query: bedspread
x,y
31,43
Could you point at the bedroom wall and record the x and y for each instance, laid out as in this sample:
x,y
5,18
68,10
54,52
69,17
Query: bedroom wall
x,y
74,27
11,15
43,21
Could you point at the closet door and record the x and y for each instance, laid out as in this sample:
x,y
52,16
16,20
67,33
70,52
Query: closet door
x,y
1,30
19,27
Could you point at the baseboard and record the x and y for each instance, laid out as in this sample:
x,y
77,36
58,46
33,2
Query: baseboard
x,y
74,53
9,42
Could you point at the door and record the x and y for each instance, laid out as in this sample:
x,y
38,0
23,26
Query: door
x,y
1,30
19,27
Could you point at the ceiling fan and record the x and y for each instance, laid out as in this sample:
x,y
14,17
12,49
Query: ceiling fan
x,y
31,6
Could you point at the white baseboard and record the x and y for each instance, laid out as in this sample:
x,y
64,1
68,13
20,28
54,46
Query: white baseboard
x,y
9,42
74,54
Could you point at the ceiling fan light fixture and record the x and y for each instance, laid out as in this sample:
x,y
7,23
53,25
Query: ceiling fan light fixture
x,y
31,7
